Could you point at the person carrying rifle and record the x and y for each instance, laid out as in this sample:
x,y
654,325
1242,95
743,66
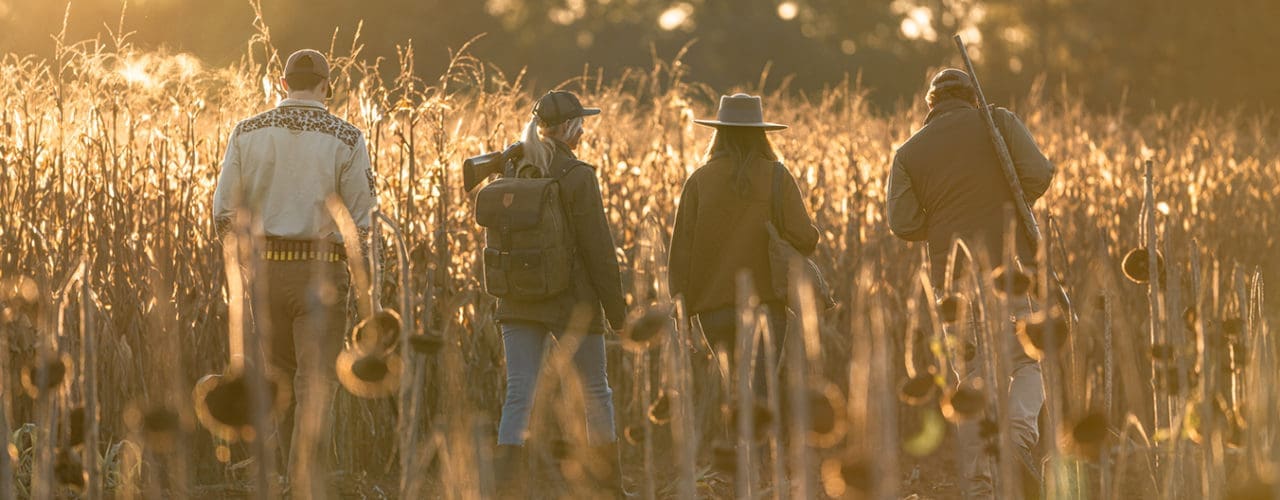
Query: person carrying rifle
x,y
282,165
947,183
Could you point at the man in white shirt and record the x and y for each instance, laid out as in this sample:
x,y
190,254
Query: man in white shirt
x,y
282,165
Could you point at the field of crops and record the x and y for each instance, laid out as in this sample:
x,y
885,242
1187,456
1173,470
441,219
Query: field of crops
x,y
110,273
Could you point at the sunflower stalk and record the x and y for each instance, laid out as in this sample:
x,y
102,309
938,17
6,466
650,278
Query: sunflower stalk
x,y
678,378
803,369
247,358
744,354
1160,402
411,387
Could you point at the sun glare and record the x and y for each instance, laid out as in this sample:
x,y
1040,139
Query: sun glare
x,y
788,10
676,16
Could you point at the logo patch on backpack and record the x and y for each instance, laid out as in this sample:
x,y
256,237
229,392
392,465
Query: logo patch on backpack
x,y
508,199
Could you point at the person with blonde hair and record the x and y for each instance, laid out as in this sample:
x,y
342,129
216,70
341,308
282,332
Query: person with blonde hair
x,y
593,292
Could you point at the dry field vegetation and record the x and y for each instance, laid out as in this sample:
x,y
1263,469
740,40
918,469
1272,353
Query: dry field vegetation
x,y
116,300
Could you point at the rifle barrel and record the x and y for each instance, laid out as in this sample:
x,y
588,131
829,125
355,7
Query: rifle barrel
x,y
1002,151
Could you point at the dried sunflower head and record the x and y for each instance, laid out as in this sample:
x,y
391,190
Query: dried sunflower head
x,y
1087,435
649,328
827,423
965,402
369,375
46,374
379,332
224,403
69,470
949,308
918,390
1043,332
1016,285
660,409
1136,266
839,475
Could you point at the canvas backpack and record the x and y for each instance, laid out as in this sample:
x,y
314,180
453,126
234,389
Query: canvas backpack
x,y
528,241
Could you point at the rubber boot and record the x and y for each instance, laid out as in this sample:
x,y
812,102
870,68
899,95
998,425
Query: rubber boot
x,y
510,472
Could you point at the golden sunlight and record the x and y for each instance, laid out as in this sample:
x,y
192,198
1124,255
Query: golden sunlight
x,y
676,16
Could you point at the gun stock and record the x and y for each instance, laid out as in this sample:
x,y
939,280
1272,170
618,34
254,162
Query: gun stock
x,y
478,168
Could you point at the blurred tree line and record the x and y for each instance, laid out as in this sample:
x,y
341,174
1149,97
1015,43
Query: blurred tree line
x,y
1144,52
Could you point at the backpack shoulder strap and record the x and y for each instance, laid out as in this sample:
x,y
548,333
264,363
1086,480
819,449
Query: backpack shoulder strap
x,y
573,164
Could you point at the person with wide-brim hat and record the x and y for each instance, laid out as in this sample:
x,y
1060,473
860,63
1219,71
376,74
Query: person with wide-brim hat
x,y
720,228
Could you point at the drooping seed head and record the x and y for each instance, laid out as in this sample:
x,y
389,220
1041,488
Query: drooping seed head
x,y
1090,429
1016,285
634,434
918,390
826,416
949,308
369,375
69,470
379,332
45,374
1136,266
650,327
968,401
224,403
839,475
1043,332
660,409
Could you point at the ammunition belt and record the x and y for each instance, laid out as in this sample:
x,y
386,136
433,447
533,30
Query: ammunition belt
x,y
282,250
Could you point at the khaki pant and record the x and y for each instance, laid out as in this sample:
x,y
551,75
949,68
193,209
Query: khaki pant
x,y
307,312
1026,397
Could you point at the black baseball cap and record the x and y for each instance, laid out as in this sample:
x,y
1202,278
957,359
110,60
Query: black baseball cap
x,y
560,106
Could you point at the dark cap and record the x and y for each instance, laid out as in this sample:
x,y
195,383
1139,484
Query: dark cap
x,y
560,106
950,78
307,62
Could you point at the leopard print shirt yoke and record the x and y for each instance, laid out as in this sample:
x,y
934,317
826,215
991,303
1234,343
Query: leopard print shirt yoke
x,y
303,119
307,119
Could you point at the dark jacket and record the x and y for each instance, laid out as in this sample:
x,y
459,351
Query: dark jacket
x,y
947,182
597,282
719,232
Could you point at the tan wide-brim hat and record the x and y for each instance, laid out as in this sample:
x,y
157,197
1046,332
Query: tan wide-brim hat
x,y
740,110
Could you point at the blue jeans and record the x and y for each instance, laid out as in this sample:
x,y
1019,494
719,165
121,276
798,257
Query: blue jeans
x,y
524,344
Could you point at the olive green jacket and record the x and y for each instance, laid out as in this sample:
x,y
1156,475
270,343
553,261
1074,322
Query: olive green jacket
x,y
597,282
720,232
947,182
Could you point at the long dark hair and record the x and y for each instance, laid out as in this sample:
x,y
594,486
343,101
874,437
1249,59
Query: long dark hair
x,y
741,145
